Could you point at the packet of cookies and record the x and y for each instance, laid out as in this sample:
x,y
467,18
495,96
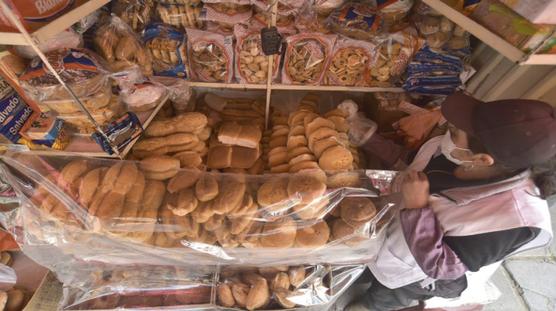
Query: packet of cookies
x,y
358,20
350,63
167,46
120,46
306,58
182,15
226,15
394,52
251,64
210,56
136,13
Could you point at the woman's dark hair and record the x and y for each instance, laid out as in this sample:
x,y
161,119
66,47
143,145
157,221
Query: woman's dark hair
x,y
544,176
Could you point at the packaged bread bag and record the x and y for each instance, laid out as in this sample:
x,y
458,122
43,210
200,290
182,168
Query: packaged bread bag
x,y
136,13
210,56
180,15
34,14
306,58
251,64
121,47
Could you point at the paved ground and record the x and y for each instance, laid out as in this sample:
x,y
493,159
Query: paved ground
x,y
528,281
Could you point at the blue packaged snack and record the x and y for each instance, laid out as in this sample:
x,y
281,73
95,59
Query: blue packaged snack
x,y
121,132
14,113
433,90
167,46
356,20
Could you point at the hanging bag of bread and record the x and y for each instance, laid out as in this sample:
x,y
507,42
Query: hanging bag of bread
x,y
251,64
221,16
116,42
210,56
350,63
180,14
284,23
136,13
306,58
167,46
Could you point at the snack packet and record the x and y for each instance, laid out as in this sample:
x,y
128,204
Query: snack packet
x,y
136,13
180,15
251,64
306,58
394,13
167,46
357,20
350,62
210,56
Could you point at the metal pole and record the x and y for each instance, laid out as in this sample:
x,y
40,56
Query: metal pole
x,y
6,9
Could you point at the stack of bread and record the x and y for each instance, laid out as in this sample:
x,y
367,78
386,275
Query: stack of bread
x,y
257,289
236,146
276,146
350,218
244,111
183,137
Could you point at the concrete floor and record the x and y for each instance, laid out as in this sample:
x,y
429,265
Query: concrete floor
x,y
528,281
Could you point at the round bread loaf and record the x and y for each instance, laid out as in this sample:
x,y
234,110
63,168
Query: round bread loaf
x,y
336,158
279,234
357,209
306,186
313,236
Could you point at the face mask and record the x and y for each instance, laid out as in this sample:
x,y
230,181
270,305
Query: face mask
x,y
447,146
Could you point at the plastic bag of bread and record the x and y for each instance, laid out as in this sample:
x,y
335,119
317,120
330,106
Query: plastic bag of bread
x,y
159,211
285,7
308,20
167,46
350,62
80,69
394,13
116,42
251,64
306,58
136,13
224,15
211,56
64,40
394,52
283,287
180,15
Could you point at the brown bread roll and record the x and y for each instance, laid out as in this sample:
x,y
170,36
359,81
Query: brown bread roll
x,y
206,187
279,234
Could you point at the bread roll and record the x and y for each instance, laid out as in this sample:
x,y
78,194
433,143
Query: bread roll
x,y
279,234
357,209
184,179
178,139
230,195
203,212
206,187
318,123
219,157
126,178
240,292
111,206
313,236
225,297
274,194
282,298
184,123
182,202
305,186
89,185
71,172
258,296
296,275
160,167
152,200
243,157
247,136
215,222
280,281
336,158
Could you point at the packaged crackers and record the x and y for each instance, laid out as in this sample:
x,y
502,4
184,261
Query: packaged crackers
x,y
180,15
210,56
251,64
223,16
350,62
136,13
306,58
167,47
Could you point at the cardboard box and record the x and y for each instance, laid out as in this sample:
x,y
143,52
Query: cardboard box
x,y
536,11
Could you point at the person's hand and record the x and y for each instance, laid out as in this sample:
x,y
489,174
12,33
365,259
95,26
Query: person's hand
x,y
415,190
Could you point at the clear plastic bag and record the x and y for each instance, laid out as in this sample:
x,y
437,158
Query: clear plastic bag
x,y
97,286
64,40
181,16
136,13
121,47
81,69
350,62
306,58
225,15
394,52
357,20
210,56
251,64
152,212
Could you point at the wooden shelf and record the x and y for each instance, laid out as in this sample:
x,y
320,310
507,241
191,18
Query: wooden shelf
x,y
54,27
325,88
540,59
87,147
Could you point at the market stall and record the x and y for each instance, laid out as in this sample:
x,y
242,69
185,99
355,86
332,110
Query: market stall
x,y
212,154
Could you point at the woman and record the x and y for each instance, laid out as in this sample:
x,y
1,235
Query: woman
x,y
470,198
